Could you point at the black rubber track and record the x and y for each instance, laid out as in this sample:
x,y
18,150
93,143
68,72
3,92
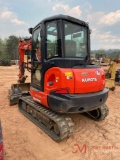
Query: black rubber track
x,y
64,122
103,111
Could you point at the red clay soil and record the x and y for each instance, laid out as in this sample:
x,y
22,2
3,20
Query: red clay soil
x,y
90,141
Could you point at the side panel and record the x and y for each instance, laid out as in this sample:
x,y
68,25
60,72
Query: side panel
x,y
89,80
39,97
80,80
56,78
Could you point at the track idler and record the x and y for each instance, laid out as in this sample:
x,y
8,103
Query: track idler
x,y
98,114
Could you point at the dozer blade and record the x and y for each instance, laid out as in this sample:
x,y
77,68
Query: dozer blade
x,y
16,91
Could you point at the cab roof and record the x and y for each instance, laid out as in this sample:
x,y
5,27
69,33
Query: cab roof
x,y
63,17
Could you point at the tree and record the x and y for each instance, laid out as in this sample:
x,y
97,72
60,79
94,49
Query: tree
x,y
2,49
12,47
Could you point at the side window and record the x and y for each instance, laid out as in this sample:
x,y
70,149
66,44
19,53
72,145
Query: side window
x,y
37,45
36,57
51,39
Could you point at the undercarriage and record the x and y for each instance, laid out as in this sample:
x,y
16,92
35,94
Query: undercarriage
x,y
57,126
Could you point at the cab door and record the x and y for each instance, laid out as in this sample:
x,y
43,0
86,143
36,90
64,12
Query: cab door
x,y
36,59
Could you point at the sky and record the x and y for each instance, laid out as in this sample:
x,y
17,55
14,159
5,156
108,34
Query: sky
x,y
103,17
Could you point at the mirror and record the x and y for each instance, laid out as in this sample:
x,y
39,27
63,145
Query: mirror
x,y
30,30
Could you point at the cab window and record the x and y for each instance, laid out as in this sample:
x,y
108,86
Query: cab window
x,y
37,45
51,39
75,40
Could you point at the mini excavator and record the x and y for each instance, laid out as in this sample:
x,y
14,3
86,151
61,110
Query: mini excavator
x,y
63,80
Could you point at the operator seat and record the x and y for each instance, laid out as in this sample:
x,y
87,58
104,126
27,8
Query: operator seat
x,y
70,48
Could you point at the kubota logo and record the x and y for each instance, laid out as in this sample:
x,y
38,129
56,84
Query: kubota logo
x,y
89,79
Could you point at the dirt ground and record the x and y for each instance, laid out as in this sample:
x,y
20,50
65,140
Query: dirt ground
x,y
90,141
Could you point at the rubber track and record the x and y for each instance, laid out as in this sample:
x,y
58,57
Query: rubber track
x,y
104,111
64,122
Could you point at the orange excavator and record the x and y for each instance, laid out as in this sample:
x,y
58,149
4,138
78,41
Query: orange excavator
x,y
63,80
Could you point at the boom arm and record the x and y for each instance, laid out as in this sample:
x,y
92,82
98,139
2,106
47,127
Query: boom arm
x,y
23,47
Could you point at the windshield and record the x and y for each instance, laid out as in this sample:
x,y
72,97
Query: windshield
x,y
75,40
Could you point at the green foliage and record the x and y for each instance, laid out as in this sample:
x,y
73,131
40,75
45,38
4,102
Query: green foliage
x,y
2,49
12,47
111,53
114,56
9,48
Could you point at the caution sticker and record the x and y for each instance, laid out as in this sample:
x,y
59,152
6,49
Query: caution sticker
x,y
68,74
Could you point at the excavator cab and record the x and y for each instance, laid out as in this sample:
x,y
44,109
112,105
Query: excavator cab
x,y
60,41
